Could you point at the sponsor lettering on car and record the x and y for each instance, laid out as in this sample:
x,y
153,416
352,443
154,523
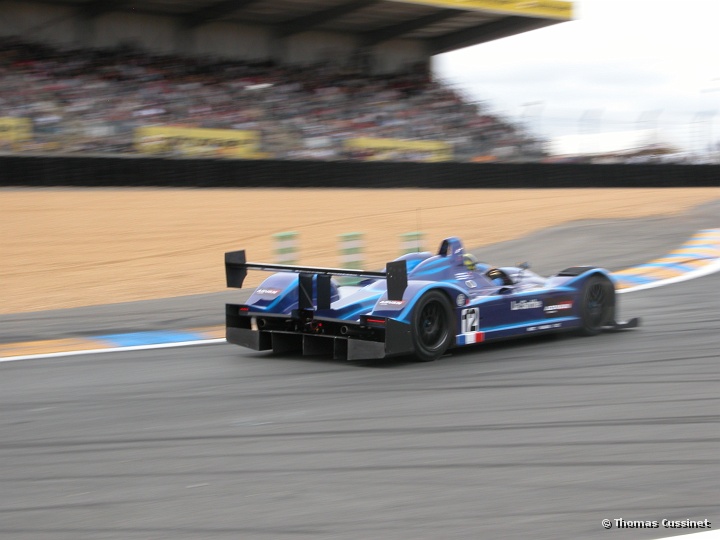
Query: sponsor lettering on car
x,y
392,303
557,307
525,304
543,327
269,292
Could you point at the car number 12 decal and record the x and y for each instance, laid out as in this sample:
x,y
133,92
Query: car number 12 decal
x,y
470,320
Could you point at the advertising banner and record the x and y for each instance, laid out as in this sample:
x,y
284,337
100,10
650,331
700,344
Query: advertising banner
x,y
198,142
386,149
15,129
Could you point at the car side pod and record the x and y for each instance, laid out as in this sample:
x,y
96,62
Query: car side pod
x,y
618,326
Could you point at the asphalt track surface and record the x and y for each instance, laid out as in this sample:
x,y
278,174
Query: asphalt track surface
x,y
537,438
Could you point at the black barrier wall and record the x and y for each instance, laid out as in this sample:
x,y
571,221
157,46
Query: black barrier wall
x,y
35,171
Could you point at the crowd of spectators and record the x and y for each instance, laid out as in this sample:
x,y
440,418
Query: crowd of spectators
x,y
94,100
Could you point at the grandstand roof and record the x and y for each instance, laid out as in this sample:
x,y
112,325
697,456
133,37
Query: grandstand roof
x,y
443,25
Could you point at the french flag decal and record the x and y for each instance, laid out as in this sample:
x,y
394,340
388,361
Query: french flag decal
x,y
470,338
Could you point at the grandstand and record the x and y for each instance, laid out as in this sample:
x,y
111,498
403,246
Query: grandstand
x,y
287,79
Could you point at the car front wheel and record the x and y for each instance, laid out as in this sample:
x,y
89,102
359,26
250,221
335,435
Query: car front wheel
x,y
598,305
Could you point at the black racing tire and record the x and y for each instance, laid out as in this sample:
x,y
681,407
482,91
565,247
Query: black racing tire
x,y
597,305
432,326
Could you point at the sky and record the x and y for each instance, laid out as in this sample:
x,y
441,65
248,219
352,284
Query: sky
x,y
619,66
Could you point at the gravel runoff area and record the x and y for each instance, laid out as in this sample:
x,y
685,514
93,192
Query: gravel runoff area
x,y
65,248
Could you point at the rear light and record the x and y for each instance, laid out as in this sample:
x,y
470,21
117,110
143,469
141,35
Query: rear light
x,y
374,320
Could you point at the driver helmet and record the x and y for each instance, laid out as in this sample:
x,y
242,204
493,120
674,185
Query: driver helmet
x,y
498,277
470,261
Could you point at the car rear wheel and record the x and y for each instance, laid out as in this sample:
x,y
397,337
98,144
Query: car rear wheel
x,y
431,326
597,307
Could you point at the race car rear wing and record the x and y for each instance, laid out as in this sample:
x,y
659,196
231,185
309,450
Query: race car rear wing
x,y
395,273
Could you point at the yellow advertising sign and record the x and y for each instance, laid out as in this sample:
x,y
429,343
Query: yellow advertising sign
x,y
550,9
390,149
198,142
15,129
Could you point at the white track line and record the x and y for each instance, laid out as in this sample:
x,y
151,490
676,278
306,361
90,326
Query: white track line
x,y
114,349
706,535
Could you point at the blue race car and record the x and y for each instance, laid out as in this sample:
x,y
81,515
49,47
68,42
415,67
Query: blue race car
x,y
421,305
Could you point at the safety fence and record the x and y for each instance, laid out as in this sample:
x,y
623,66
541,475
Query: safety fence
x,y
93,171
